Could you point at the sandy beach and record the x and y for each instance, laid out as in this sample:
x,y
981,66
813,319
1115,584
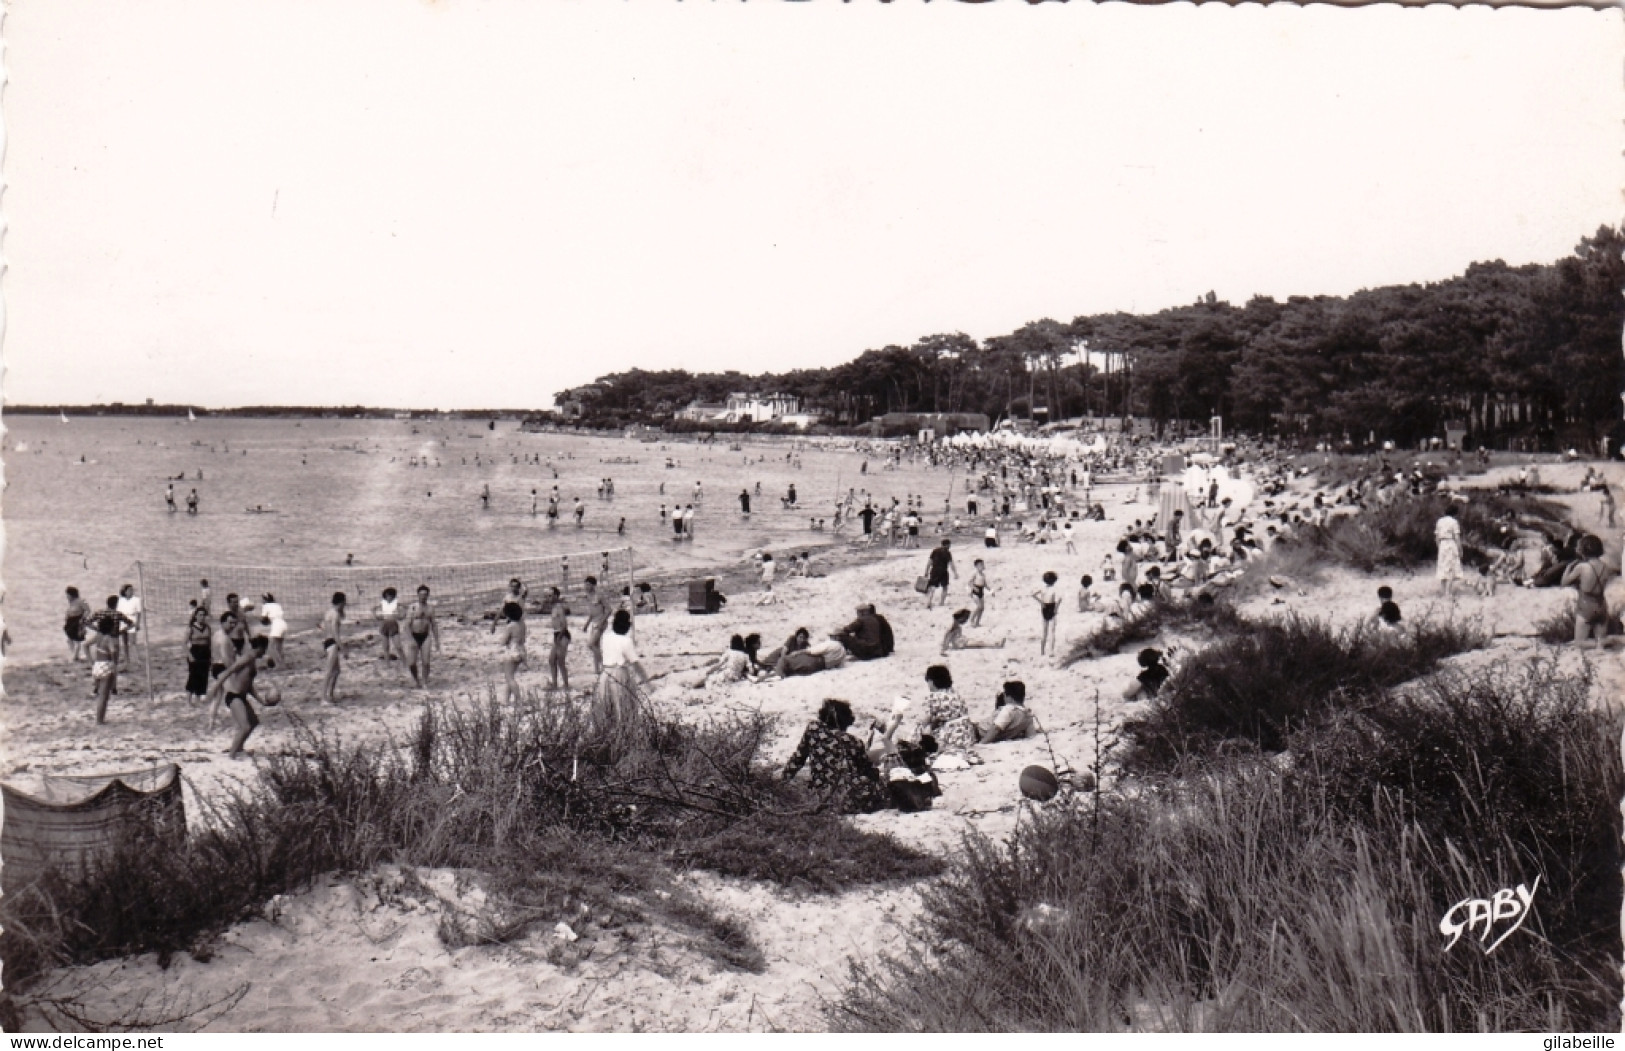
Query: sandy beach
x,y
365,953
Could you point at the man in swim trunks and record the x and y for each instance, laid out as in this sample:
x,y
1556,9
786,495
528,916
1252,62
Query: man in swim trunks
x,y
420,628
332,644
234,687
599,609
559,622
580,512
73,622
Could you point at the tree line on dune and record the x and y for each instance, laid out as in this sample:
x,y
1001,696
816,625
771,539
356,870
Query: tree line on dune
x,y
1519,357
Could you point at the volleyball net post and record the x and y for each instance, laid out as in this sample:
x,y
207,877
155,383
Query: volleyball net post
x,y
146,630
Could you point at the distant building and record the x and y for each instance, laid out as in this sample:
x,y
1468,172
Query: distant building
x,y
761,408
703,412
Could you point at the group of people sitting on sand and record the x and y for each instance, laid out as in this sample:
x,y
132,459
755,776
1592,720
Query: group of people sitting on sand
x,y
894,765
868,637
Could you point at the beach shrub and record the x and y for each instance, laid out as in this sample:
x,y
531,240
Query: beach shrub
x,y
1252,688
1400,533
1248,898
1161,615
814,852
549,813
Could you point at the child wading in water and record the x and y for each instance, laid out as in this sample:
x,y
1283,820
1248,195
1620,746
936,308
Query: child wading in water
x,y
1049,604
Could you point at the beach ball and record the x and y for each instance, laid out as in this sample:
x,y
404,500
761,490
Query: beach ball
x,y
269,696
1038,783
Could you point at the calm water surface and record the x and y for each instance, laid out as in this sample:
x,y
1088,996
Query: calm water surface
x,y
84,500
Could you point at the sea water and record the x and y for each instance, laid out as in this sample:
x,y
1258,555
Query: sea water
x,y
84,500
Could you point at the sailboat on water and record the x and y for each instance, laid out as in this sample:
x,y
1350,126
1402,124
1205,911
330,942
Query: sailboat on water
x,y
190,418
64,415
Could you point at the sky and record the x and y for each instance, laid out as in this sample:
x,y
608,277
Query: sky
x,y
460,204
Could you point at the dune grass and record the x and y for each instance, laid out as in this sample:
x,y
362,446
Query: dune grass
x,y
1400,533
1245,897
549,816
1160,616
1252,689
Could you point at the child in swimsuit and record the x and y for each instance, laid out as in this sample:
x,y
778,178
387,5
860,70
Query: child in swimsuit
x,y
1049,603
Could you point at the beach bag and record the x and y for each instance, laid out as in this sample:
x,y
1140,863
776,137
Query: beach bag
x,y
922,584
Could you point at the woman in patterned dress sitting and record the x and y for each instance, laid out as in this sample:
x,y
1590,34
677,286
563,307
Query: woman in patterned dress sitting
x,y
837,764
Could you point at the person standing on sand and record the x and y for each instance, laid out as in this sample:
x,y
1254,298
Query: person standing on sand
x,y
768,570
617,701
1049,604
129,606
169,498
580,512
236,684
744,502
332,644
558,621
277,622
1589,577
512,641
420,630
599,610
389,623
1447,532
73,622
191,502
978,592
107,626
198,651
939,568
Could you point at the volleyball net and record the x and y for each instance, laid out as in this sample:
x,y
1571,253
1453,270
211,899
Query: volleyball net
x,y
168,589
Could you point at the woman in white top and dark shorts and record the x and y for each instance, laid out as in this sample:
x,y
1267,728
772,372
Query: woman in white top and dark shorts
x,y
389,623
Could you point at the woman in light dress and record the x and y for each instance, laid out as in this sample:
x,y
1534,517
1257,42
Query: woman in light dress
x,y
616,701
1447,532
